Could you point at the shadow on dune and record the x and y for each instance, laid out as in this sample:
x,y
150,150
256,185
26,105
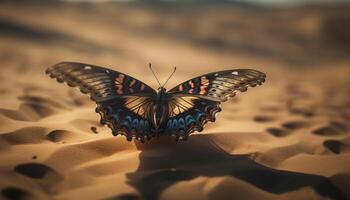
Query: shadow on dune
x,y
164,162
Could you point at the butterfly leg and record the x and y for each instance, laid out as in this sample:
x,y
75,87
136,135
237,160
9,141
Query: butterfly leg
x,y
129,138
143,139
185,137
181,136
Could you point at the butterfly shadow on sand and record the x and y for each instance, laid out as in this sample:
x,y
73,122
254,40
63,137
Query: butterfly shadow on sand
x,y
164,162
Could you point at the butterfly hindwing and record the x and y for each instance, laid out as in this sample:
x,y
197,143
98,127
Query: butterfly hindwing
x,y
219,86
129,122
187,118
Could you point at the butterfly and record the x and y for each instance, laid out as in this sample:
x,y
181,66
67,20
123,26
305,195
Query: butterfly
x,y
132,108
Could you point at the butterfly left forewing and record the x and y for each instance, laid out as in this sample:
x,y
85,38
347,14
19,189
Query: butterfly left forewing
x,y
99,83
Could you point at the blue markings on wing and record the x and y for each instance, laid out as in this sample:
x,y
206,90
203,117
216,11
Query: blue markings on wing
x,y
193,119
189,120
128,120
122,120
199,114
181,123
184,122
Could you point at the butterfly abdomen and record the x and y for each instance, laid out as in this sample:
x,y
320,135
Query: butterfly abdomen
x,y
160,111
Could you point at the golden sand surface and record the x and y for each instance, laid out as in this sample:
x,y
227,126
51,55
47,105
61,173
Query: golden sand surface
x,y
286,139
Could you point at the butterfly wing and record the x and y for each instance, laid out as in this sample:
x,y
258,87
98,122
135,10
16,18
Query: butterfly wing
x,y
195,102
122,101
100,83
219,86
127,116
188,114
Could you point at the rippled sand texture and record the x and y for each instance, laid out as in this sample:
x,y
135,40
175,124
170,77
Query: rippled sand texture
x,y
287,139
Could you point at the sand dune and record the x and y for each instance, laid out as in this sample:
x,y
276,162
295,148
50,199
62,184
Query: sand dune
x,y
288,139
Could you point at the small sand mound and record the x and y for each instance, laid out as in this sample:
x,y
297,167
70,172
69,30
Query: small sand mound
x,y
35,170
336,146
29,135
44,176
60,135
295,124
28,112
333,128
278,132
263,118
14,193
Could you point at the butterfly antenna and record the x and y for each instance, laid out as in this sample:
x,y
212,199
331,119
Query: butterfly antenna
x,y
169,77
150,67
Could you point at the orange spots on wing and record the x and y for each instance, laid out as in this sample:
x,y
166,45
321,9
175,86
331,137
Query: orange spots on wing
x,y
181,88
190,91
131,90
120,78
202,89
204,80
119,88
119,83
132,83
191,84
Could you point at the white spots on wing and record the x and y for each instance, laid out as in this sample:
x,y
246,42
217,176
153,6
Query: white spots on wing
x,y
87,67
107,71
216,74
232,94
235,73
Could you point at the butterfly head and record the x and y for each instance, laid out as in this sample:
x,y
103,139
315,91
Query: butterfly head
x,y
161,94
161,87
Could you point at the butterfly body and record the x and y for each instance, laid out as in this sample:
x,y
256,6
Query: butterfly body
x,y
160,110
131,108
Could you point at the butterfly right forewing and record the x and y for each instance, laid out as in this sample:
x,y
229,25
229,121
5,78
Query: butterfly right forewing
x,y
219,86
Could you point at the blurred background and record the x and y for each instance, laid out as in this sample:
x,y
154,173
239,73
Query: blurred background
x,y
201,34
297,121
294,42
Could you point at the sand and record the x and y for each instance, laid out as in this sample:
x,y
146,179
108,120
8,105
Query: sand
x,y
287,139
